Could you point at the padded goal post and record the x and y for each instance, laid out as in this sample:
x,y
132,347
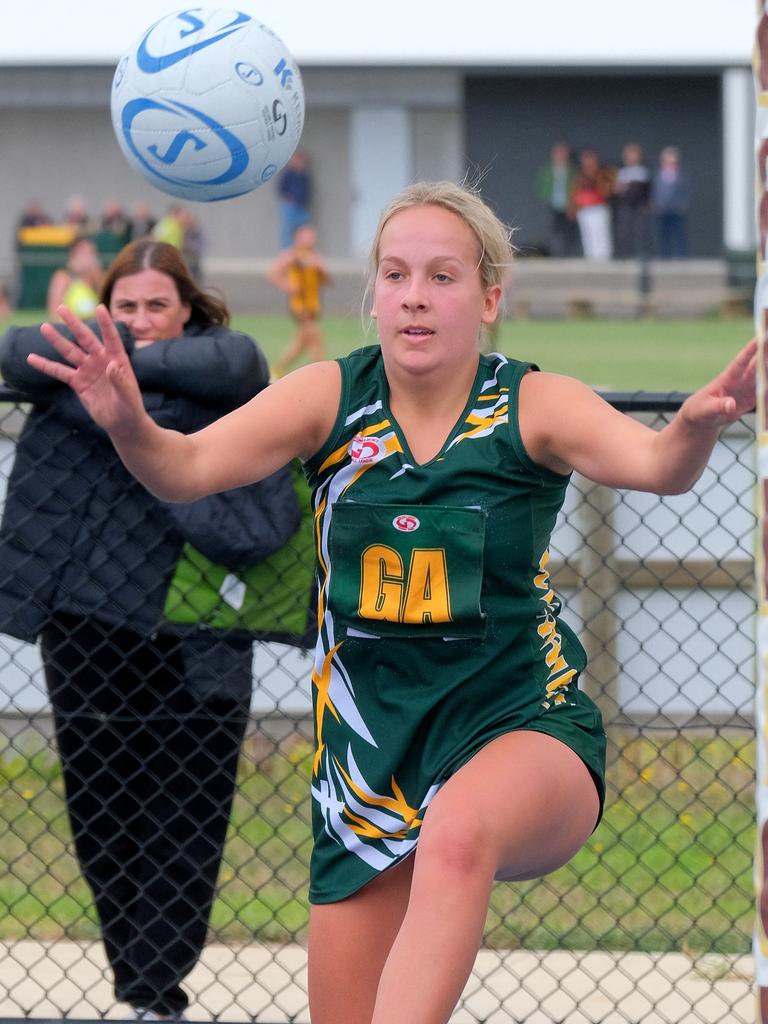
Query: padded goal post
x,y
760,66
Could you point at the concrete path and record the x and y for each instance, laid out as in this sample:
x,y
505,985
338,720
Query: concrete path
x,y
268,985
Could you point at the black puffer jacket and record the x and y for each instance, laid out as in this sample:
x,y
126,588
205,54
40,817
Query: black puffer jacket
x,y
79,534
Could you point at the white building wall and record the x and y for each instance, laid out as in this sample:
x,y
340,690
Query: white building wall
x,y
58,141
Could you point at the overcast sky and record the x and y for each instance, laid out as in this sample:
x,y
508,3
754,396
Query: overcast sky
x,y
715,32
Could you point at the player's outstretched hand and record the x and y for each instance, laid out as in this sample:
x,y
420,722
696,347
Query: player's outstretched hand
x,y
99,372
728,396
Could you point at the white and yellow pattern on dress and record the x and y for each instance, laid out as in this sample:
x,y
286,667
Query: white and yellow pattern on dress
x,y
352,809
492,410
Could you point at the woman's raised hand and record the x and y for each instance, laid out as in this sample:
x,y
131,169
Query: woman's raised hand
x,y
99,372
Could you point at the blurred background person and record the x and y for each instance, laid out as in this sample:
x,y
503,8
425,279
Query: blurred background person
x,y
670,198
77,215
193,242
554,184
294,191
170,227
149,721
590,201
300,271
142,220
76,284
32,215
115,222
632,205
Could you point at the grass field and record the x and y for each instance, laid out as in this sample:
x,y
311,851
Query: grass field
x,y
620,355
669,868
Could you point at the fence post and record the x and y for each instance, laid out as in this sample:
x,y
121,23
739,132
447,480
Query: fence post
x,y
597,585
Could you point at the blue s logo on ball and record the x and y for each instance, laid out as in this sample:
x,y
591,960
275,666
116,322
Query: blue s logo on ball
x,y
151,64
183,120
178,143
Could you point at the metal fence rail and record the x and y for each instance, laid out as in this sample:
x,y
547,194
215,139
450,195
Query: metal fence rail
x,y
651,923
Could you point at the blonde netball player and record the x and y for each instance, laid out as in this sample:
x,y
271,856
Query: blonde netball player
x,y
453,744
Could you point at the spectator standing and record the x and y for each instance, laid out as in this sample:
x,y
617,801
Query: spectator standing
x,y
76,214
32,215
149,721
193,243
590,201
115,223
76,285
170,227
294,190
554,185
142,220
671,199
632,205
301,273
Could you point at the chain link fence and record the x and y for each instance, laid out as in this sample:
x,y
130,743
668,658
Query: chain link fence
x,y
650,923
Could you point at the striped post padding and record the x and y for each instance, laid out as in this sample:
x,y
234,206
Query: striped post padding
x,y
760,66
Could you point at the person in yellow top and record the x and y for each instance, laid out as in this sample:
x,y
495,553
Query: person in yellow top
x,y
76,284
301,273
170,228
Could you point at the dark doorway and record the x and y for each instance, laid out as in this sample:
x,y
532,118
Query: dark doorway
x,y
511,123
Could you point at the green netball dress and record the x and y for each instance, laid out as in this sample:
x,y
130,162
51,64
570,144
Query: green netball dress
x,y
439,629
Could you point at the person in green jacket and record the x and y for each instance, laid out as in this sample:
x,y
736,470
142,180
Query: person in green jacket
x,y
554,184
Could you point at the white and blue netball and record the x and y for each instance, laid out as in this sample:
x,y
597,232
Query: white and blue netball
x,y
208,104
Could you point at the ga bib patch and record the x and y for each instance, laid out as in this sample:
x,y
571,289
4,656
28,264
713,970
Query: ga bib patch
x,y
407,570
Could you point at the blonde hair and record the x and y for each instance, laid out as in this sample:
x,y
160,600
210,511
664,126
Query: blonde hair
x,y
494,238
495,250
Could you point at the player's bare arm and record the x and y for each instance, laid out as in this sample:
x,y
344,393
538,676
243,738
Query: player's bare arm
x,y
291,418
567,426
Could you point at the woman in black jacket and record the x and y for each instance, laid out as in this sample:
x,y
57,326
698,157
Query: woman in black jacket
x,y
149,722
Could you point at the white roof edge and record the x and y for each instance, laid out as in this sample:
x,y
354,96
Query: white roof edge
x,y
715,33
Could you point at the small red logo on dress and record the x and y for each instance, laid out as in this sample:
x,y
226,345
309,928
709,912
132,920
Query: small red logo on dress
x,y
406,523
366,449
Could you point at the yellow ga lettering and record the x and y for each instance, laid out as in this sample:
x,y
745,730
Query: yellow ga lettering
x,y
388,593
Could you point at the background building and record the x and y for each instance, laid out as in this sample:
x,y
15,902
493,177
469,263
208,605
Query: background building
x,y
394,95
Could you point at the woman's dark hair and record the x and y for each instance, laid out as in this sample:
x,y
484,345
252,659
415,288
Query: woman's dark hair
x,y
207,310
